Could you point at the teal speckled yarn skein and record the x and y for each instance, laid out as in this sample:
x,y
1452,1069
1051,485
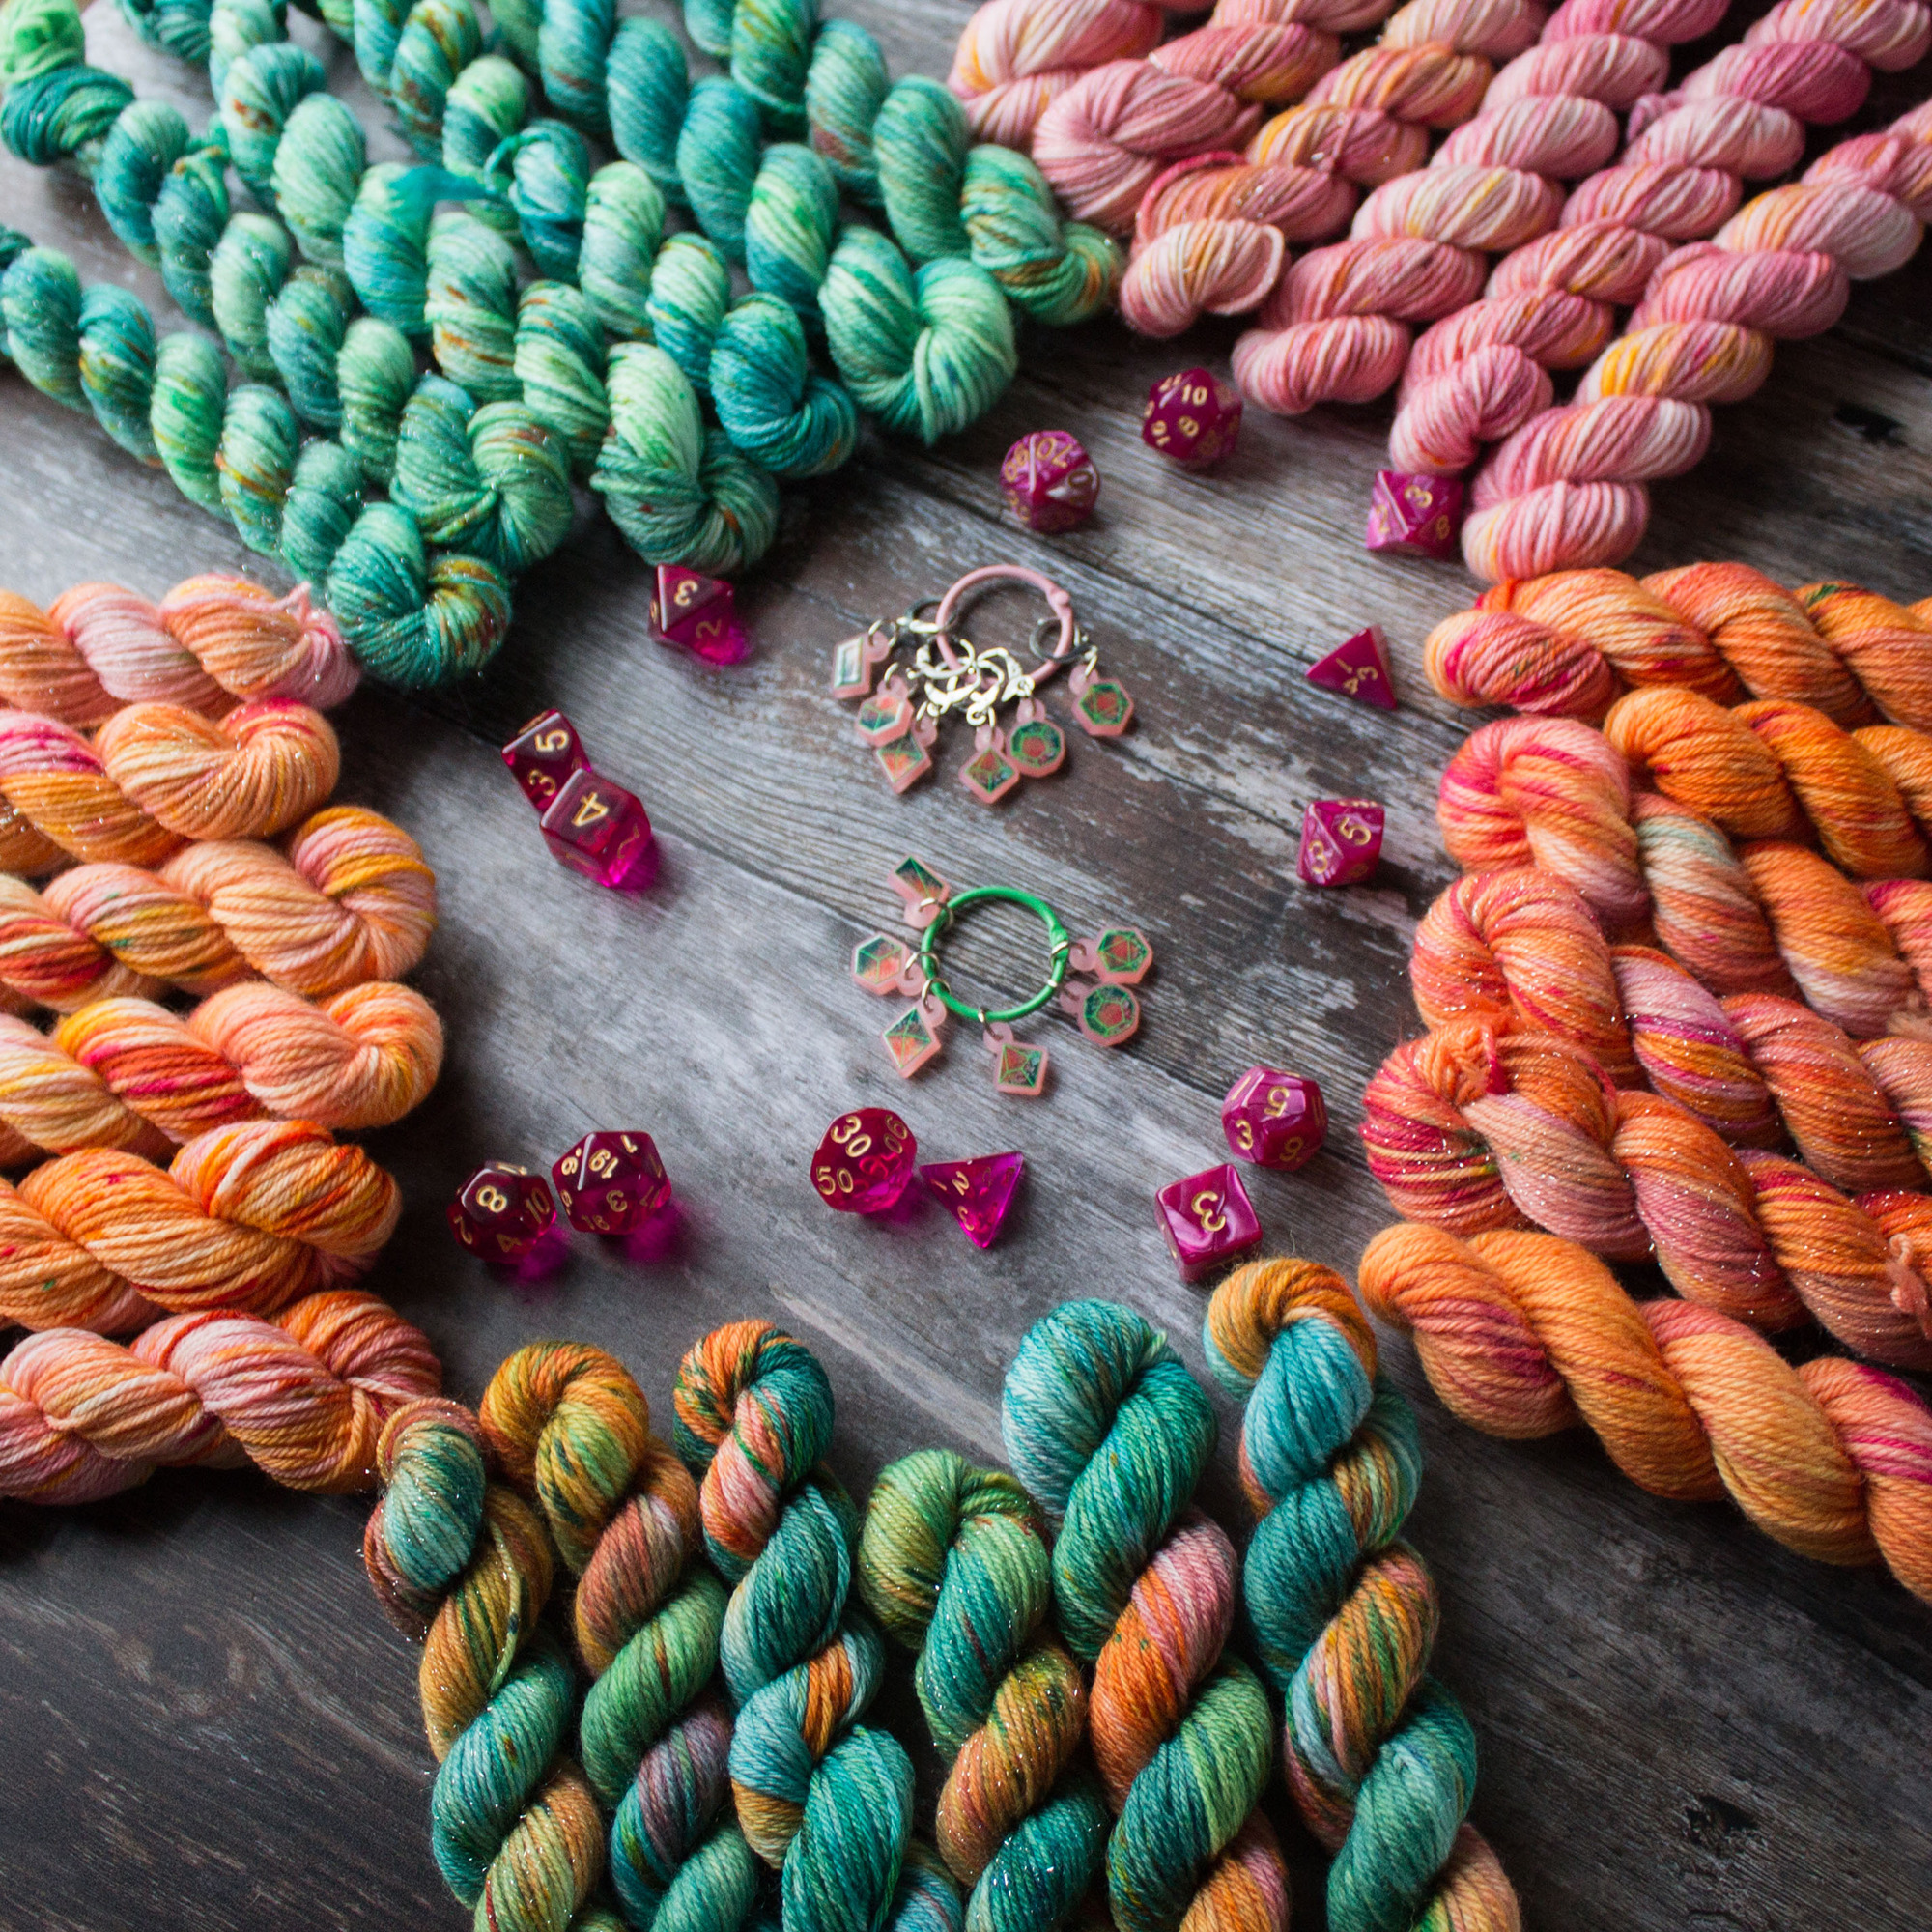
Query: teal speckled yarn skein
x,y
955,1563
1107,1428
1379,1757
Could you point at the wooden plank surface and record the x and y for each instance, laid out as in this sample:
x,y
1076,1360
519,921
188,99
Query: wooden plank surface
x,y
1681,1724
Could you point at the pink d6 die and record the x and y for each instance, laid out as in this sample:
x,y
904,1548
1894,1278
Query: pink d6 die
x,y
611,1183
543,755
864,1161
1049,481
501,1210
1274,1119
699,613
1420,516
1193,417
1341,842
597,827
1208,1220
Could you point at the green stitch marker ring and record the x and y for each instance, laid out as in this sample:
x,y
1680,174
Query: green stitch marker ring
x,y
949,910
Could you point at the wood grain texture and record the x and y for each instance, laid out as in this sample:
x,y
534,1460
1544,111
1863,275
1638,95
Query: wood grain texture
x,y
202,1720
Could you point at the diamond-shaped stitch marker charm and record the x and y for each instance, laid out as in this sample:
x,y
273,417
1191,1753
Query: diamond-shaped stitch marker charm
x,y
1020,1069
904,761
989,776
911,1041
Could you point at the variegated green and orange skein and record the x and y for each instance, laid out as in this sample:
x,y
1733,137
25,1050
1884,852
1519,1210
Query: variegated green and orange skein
x,y
1379,1757
573,1429
463,1565
954,1562
1108,1428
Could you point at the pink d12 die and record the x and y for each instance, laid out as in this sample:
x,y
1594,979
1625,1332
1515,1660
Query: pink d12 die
x,y
1358,669
1208,1220
1341,842
501,1210
978,1192
1193,417
1420,516
599,828
543,755
864,1161
1274,1119
699,613
611,1183
1049,482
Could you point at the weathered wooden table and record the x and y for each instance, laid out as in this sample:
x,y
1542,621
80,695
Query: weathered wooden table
x,y
204,1720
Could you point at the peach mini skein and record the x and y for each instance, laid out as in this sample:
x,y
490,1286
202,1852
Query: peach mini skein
x,y
1523,1336
303,1397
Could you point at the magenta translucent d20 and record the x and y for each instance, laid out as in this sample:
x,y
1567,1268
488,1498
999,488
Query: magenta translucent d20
x,y
699,613
1274,1119
544,754
978,1192
1341,842
599,828
1358,669
611,1183
501,1210
1419,516
1192,417
865,1160
1049,481
1208,1220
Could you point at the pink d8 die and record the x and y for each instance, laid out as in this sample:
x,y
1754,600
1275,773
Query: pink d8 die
x,y
1049,482
1193,417
500,1211
1420,516
597,827
699,613
1341,842
1274,1119
543,755
1208,1220
864,1161
611,1183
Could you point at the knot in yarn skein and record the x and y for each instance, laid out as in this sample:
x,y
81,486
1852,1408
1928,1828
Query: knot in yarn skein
x,y
954,1562
1103,1422
1379,1757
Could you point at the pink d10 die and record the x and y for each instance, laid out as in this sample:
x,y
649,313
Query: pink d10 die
x,y
501,1210
1420,516
863,1162
1341,842
611,1183
599,828
1049,482
1208,1220
978,1192
543,755
1273,1118
699,613
1358,669
1193,417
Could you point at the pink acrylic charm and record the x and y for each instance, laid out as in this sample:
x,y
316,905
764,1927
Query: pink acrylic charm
x,y
599,829
612,1182
1049,482
864,1161
885,965
856,661
699,613
990,775
1101,704
1341,842
1208,1220
1274,1119
978,1192
886,715
543,755
1120,957
500,1211
1192,417
1018,1069
922,889
1108,1015
1419,516
915,1037
1035,744
1358,669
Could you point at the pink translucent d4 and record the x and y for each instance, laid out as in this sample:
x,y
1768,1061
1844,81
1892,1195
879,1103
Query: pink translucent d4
x,y
501,1210
599,828
611,1183
543,755
864,1161
1358,669
1274,1119
1420,516
1049,481
1192,417
699,613
1208,1220
978,1192
1341,842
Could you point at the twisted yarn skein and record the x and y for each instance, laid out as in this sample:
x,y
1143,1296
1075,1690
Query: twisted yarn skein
x,y
1523,1335
1106,1427
1379,1757
953,1562
303,1397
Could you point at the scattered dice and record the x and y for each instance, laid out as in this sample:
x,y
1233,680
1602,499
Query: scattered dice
x,y
1359,669
545,754
1049,482
1341,842
978,1192
864,1161
599,828
699,613
1273,1118
1193,417
501,1210
611,1183
1208,1220
1420,516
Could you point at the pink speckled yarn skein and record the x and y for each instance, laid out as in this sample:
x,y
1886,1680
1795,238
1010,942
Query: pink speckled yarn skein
x,y
1015,57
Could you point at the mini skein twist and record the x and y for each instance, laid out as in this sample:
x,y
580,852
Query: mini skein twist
x,y
1523,1335
953,1562
303,1397
1106,1427
1380,1759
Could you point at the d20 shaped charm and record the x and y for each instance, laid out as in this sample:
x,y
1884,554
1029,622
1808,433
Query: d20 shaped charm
x,y
544,754
1341,842
1192,417
501,1210
1420,516
1108,1015
979,1192
911,1041
1208,1221
879,964
863,1162
1037,747
1274,1119
1121,956
885,716
598,828
1049,482
990,775
611,1183
904,761
1104,708
699,613
1020,1069
1358,669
